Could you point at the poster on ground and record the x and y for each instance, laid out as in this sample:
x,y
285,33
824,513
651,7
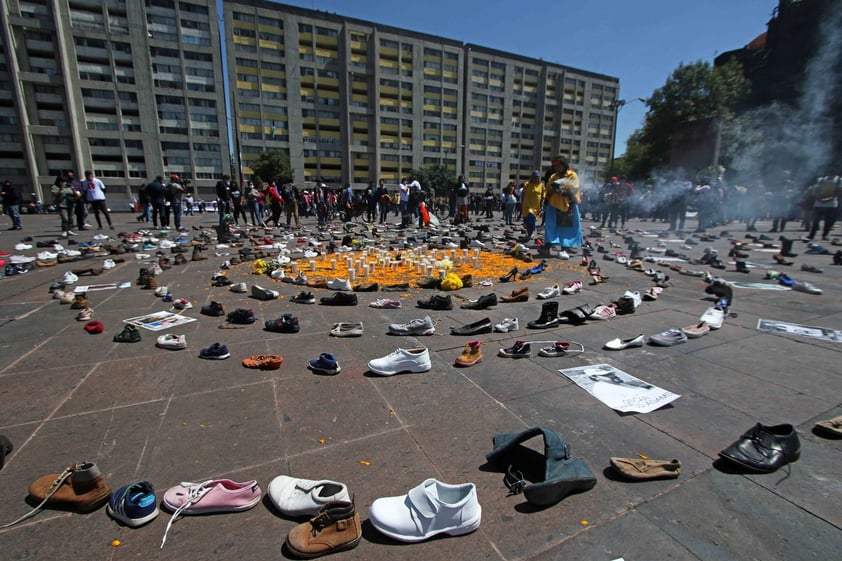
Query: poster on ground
x,y
618,390
159,320
823,333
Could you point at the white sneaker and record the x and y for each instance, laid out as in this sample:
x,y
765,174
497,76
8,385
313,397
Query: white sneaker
x,y
46,255
309,254
22,246
85,314
402,360
549,292
477,243
423,326
304,497
182,304
264,293
109,264
806,287
172,342
563,255
339,284
239,287
635,297
429,509
386,303
69,278
507,325
714,317
277,273
162,291
572,287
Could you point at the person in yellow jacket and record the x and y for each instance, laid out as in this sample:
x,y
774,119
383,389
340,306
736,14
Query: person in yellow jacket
x,y
563,222
531,201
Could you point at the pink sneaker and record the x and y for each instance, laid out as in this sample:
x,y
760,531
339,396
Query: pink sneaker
x,y
572,287
215,495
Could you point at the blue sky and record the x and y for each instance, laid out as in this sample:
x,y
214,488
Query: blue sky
x,y
640,42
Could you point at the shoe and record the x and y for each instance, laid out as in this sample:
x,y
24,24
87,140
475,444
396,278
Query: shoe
x,y
652,293
471,355
263,362
668,338
549,292
339,284
423,326
483,302
80,301
353,329
399,287
80,488
216,351
714,317
640,469
85,314
172,342
519,295
510,276
521,349
304,497
215,495
620,344
134,505
764,448
287,323
340,299
182,304
261,293
785,280
66,298
239,287
304,297
548,317
561,348
475,328
507,325
811,269
696,330
69,278
634,295
366,287
830,428
572,287
386,304
129,334
402,360
806,287
781,260
241,316
603,312
429,509
335,528
300,279
325,364
436,302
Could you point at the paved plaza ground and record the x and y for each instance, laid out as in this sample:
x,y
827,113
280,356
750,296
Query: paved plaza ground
x,y
144,413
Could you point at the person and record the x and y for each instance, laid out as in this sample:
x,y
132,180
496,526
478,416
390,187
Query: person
x,y
403,199
188,204
383,199
825,194
175,193
237,204
677,209
94,190
563,225
463,197
223,198
145,206
370,202
157,193
11,203
291,196
533,195
253,198
64,199
488,202
276,202
509,202
80,206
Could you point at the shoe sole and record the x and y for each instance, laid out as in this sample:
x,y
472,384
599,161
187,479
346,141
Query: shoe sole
x,y
419,370
469,527
303,301
426,332
189,512
513,355
132,522
326,371
305,555
218,357
458,362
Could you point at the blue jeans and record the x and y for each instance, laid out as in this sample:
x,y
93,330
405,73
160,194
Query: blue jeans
x,y
223,207
14,213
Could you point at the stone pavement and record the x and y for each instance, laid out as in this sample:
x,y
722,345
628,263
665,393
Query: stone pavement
x,y
146,413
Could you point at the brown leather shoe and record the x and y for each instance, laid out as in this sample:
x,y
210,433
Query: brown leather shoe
x,y
518,295
317,283
336,528
83,490
637,468
80,302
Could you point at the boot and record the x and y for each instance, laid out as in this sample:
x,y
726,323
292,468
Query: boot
x,y
548,318
741,267
81,488
635,252
837,258
786,247
336,528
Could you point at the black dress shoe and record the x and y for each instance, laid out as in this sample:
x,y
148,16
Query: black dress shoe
x,y
483,302
436,302
764,449
481,326
340,299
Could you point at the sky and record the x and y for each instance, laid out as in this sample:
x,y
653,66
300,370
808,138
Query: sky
x,y
640,42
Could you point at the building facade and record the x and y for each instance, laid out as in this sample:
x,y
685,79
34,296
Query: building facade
x,y
128,89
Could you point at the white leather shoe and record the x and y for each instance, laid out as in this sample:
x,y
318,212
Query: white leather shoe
x,y
402,360
620,344
508,324
304,497
429,509
549,292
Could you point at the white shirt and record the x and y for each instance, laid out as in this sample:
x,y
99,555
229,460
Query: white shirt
x,y
404,196
94,189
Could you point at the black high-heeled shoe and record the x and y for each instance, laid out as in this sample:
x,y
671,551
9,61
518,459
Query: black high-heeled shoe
x,y
510,276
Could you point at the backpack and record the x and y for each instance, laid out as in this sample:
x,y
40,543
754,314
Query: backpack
x,y
827,188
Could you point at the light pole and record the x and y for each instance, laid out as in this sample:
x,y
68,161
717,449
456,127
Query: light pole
x,y
616,105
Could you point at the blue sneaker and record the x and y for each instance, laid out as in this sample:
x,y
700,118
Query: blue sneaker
x,y
216,351
134,505
168,298
786,280
325,364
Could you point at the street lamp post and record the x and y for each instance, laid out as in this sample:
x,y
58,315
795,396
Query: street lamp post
x,y
616,105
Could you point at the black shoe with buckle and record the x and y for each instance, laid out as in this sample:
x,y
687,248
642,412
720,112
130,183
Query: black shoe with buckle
x,y
764,449
436,302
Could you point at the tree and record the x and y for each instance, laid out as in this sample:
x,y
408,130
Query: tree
x,y
272,164
435,178
692,92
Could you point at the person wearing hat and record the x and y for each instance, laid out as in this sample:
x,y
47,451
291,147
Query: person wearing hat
x,y
175,192
532,198
563,225
94,190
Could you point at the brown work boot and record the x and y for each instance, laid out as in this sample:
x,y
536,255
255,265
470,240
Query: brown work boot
x,y
150,283
80,302
336,528
83,490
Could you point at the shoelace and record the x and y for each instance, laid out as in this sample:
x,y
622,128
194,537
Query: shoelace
x,y
53,489
195,491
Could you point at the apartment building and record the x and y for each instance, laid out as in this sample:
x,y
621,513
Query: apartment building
x,y
129,89
355,101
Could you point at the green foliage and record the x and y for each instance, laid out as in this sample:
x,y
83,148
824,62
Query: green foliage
x,y
272,164
692,92
436,179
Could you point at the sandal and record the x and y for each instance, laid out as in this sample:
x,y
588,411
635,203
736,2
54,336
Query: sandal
x,y
263,362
